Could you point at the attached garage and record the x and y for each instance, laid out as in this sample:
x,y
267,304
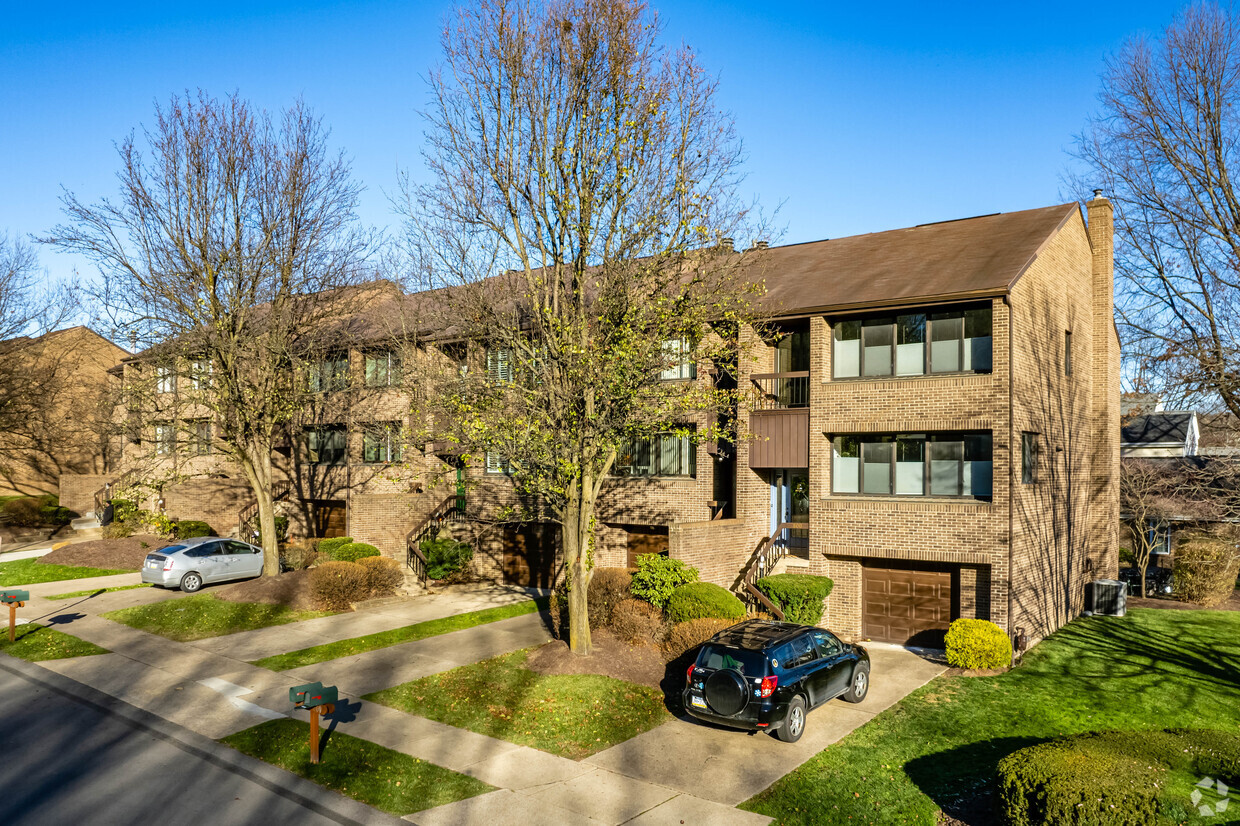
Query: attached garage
x,y
530,554
910,605
645,539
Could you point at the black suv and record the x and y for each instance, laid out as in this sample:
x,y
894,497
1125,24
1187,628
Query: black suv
x,y
762,675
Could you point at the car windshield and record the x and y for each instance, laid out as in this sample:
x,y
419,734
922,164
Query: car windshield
x,y
718,657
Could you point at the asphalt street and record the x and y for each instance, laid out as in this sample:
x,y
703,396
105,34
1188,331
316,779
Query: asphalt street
x,y
66,760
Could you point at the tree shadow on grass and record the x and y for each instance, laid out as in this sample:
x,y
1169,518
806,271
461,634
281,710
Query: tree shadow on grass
x,y
962,781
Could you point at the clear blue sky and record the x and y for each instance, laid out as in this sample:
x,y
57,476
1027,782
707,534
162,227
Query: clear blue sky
x,y
857,117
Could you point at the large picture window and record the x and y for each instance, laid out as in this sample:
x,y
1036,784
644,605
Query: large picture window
x,y
935,464
332,373
914,344
663,454
381,443
327,445
383,369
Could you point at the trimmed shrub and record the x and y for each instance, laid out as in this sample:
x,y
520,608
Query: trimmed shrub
x,y
1112,778
445,556
26,512
383,576
353,551
189,528
799,596
657,576
637,621
608,586
335,585
120,530
329,546
702,600
123,510
977,643
1206,566
686,636
297,556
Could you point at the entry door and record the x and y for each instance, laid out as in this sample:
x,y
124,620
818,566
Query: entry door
x,y
789,496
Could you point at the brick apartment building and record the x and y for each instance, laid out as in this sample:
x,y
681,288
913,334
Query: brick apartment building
x,y
929,419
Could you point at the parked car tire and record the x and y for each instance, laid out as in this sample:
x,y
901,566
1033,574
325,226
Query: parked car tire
x,y
191,582
859,686
794,723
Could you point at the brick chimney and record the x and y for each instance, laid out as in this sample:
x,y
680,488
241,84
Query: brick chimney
x,y
1105,393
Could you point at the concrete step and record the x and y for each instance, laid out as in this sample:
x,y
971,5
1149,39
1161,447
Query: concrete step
x,y
790,565
84,523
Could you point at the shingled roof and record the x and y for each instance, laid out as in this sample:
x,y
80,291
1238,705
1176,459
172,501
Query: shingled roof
x,y
1168,427
952,260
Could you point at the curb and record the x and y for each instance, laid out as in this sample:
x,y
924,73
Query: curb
x,y
321,801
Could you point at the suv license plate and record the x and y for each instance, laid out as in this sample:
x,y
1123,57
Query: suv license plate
x,y
697,701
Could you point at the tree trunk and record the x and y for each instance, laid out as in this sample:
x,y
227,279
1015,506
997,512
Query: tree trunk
x,y
578,519
257,467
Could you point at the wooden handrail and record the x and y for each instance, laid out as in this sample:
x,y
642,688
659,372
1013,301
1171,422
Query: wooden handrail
x,y
451,508
246,515
769,551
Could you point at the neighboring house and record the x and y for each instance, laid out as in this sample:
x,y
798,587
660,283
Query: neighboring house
x,y
1160,435
1220,435
929,419
54,408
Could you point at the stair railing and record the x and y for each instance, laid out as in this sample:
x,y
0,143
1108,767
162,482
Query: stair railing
x,y
249,513
450,510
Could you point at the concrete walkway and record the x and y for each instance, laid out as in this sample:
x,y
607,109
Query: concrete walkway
x,y
682,772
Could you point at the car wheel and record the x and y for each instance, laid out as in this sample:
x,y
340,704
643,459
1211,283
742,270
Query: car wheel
x,y
191,582
794,723
860,685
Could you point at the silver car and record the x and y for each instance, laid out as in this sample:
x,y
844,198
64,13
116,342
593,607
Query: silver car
x,y
190,564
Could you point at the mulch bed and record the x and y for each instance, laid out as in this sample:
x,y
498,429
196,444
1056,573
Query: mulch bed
x,y
611,657
1232,604
127,553
291,589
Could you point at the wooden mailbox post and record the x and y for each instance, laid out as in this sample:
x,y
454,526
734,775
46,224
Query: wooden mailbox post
x,y
319,699
14,599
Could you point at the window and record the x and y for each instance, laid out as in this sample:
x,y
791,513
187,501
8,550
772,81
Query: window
x,y
329,374
937,464
201,428
679,360
1067,353
165,438
327,445
499,365
795,653
1159,536
1028,458
914,344
792,352
663,454
497,463
383,369
381,444
200,373
165,379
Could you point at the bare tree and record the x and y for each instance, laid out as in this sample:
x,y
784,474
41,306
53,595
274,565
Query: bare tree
x,y
572,153
1163,146
230,251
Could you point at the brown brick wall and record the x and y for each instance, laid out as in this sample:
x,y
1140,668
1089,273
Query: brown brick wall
x,y
77,490
719,549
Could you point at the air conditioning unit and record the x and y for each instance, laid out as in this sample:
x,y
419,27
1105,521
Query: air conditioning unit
x,y
1105,597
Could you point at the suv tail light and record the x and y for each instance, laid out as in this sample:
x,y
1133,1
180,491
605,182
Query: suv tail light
x,y
768,685
689,673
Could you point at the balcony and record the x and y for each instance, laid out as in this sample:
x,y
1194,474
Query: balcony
x,y
779,420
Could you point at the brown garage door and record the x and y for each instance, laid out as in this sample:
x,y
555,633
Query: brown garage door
x,y
645,539
330,517
529,555
906,606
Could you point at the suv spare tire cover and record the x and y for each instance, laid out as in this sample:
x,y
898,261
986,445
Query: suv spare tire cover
x,y
726,693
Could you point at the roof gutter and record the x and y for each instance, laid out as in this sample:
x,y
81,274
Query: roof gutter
x,y
888,304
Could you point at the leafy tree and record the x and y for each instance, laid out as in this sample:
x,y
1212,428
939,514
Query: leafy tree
x,y
582,183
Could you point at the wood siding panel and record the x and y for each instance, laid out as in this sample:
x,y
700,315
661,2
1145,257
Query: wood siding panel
x,y
780,438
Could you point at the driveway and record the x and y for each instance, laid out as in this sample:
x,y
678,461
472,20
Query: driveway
x,y
729,766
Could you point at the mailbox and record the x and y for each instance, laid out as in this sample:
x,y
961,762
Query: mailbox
x,y
12,597
312,695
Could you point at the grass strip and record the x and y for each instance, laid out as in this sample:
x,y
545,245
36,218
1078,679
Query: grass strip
x,y
31,571
939,747
572,715
38,642
408,633
199,616
389,780
93,591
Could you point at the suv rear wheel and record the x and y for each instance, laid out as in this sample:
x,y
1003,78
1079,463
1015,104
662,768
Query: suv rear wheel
x,y
860,685
794,723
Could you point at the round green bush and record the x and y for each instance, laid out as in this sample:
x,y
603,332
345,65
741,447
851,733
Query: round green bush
x,y
976,643
657,576
799,596
329,546
445,556
189,528
354,551
1111,778
702,600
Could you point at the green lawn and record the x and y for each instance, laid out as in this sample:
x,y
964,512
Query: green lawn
x,y
409,633
571,715
198,616
938,748
92,591
386,779
30,571
38,642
